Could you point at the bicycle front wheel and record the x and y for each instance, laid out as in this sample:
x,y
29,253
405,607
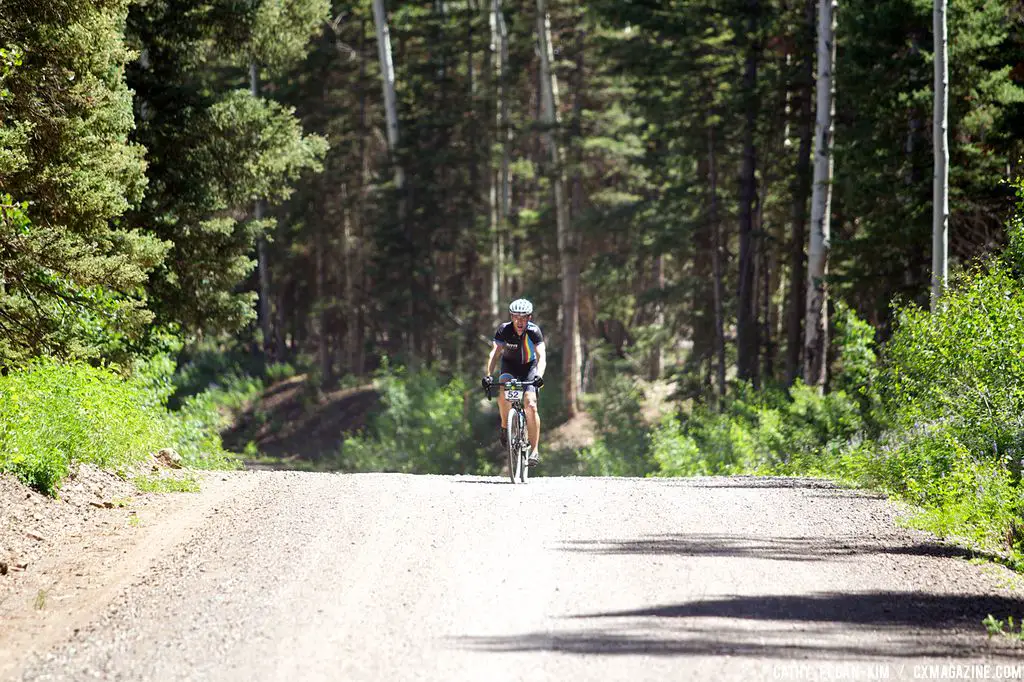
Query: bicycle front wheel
x,y
524,454
514,434
523,468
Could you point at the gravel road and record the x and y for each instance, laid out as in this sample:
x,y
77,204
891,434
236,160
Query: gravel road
x,y
295,576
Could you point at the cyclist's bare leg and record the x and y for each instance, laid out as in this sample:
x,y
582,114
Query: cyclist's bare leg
x,y
503,408
532,419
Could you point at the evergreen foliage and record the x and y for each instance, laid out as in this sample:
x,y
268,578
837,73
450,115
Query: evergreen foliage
x,y
214,149
71,265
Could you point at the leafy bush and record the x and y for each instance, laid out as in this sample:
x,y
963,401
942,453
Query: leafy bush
x,y
196,425
958,493
197,418
951,400
767,432
724,437
622,445
219,363
424,427
855,371
676,453
53,416
963,366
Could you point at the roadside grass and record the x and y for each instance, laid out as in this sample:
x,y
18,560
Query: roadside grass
x,y
166,484
54,416
1004,628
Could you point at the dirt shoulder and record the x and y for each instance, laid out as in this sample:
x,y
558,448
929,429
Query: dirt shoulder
x,y
63,559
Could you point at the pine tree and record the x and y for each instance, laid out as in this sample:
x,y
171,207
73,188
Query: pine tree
x,y
71,264
214,149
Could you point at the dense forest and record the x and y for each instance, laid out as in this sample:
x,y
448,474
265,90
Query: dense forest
x,y
355,191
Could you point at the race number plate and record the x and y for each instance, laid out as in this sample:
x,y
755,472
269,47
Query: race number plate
x,y
513,394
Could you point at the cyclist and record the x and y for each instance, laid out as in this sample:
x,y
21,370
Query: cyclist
x,y
520,345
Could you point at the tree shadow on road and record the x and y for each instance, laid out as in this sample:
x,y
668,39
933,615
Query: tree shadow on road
x,y
808,548
782,647
827,626
917,610
611,643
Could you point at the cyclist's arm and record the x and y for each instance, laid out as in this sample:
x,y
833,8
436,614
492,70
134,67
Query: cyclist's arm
x,y
493,360
542,358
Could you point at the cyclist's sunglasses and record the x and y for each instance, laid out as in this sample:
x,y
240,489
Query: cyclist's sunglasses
x,y
520,317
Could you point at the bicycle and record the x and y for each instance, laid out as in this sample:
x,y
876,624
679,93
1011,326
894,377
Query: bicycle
x,y
518,440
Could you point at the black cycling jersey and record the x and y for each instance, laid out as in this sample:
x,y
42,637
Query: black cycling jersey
x,y
518,352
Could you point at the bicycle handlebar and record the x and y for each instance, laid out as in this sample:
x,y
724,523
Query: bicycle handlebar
x,y
520,382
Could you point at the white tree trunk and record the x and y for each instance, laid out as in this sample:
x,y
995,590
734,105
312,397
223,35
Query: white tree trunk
x,y
499,50
567,246
940,183
355,249
387,75
816,321
505,198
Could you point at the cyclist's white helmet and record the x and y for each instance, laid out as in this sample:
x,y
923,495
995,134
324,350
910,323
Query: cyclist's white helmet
x,y
520,306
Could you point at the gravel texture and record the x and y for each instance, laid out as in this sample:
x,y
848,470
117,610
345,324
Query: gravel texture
x,y
296,576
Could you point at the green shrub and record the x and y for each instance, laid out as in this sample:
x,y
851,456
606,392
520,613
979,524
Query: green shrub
x,y
221,365
948,403
279,371
963,366
195,423
815,420
959,493
855,371
676,453
54,416
724,438
758,432
424,426
621,448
